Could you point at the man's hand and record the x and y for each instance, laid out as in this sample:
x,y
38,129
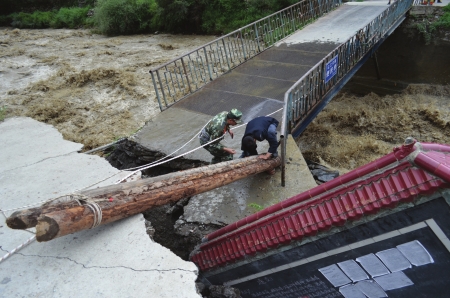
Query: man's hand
x,y
265,156
229,150
231,133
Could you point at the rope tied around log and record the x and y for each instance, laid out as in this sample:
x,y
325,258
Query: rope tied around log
x,y
97,213
93,206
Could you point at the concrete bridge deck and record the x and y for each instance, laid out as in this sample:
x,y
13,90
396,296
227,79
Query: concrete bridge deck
x,y
256,87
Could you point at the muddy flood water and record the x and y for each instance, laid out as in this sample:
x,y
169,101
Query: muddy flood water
x,y
96,89
93,89
352,130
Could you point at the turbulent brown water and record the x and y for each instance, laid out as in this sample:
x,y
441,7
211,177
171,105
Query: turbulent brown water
x,y
93,89
352,131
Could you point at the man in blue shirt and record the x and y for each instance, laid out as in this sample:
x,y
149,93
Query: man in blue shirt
x,y
260,129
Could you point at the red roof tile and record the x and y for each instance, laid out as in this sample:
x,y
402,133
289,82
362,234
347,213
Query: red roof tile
x,y
410,171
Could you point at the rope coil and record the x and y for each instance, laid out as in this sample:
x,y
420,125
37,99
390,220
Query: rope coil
x,y
95,208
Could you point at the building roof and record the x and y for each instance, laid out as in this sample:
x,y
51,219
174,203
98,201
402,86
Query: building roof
x,y
410,171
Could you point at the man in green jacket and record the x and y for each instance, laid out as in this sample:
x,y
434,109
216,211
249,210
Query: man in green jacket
x,y
217,128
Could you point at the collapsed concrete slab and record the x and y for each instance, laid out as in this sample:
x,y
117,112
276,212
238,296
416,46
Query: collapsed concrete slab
x,y
227,204
114,260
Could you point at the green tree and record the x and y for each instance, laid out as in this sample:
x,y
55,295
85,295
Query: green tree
x,y
124,16
35,20
181,16
30,6
223,16
70,17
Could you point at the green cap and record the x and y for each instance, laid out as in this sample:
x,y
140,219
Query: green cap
x,y
235,114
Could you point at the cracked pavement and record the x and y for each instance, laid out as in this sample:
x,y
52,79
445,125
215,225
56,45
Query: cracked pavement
x,y
113,260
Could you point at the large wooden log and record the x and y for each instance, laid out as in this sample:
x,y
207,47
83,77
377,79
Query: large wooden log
x,y
27,218
126,199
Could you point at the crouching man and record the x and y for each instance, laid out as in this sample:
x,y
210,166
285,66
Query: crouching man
x,y
217,128
260,129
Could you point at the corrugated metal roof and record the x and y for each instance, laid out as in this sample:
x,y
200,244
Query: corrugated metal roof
x,y
410,171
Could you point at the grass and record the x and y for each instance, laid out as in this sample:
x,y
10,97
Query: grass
x,y
73,17
256,207
444,21
430,25
2,113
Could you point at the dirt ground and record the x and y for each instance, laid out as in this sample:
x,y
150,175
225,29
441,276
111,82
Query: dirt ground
x,y
93,89
96,89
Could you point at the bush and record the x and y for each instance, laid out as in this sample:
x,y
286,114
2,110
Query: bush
x,y
446,8
37,19
223,16
74,17
181,16
124,16
114,17
429,26
444,21
11,6
6,20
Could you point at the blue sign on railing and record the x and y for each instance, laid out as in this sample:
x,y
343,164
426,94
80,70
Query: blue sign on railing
x,y
331,69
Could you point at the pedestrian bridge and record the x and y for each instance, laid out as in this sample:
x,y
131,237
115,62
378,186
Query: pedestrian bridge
x,y
343,238
288,65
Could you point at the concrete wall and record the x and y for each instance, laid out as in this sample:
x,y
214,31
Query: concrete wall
x,y
406,58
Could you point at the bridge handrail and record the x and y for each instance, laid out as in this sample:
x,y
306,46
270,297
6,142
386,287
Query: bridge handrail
x,y
310,89
420,2
184,75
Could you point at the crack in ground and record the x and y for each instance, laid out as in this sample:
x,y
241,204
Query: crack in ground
x,y
42,160
112,267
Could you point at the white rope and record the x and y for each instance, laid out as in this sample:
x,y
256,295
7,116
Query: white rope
x,y
45,202
4,214
18,248
97,213
137,169
75,199
24,207
155,163
195,136
159,161
163,162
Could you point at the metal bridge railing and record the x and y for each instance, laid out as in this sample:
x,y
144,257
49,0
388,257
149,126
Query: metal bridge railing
x,y
310,90
421,2
186,74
